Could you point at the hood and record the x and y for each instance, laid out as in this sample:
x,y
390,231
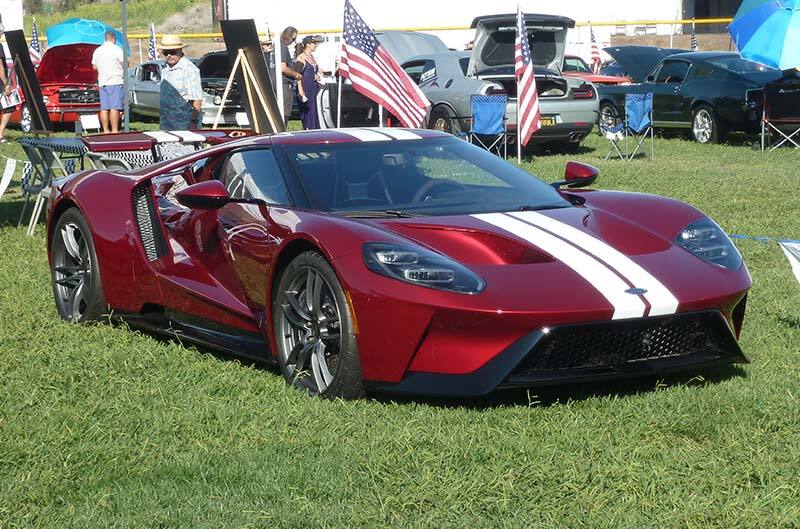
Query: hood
x,y
495,35
638,61
404,45
215,65
68,64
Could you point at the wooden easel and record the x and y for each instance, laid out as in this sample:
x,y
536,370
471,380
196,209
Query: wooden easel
x,y
250,85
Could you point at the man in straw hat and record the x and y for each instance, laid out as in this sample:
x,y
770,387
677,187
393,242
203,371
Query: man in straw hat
x,y
181,91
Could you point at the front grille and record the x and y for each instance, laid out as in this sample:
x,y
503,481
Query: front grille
x,y
75,95
628,343
155,245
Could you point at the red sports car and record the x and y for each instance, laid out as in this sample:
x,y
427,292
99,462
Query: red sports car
x,y
68,83
396,260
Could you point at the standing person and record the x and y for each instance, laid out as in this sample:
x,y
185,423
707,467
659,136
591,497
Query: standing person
x,y
290,76
5,86
107,62
308,87
181,90
269,59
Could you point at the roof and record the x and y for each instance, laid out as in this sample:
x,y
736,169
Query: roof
x,y
529,18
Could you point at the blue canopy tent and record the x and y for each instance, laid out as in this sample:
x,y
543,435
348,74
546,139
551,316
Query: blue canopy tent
x,y
81,30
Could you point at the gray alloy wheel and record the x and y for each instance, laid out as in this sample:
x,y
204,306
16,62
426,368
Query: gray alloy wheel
x,y
75,275
705,127
443,119
314,331
26,123
609,115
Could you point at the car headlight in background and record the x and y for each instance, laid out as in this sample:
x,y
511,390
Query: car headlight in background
x,y
217,100
45,100
706,240
418,266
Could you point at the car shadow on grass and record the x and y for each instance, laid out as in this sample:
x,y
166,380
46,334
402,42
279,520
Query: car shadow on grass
x,y
10,211
556,395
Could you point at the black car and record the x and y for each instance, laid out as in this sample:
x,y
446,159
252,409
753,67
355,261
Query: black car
x,y
703,92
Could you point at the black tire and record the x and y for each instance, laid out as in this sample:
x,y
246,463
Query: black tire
x,y
609,115
74,272
706,126
315,339
442,118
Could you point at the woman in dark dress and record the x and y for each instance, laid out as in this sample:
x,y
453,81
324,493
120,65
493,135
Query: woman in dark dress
x,y
308,87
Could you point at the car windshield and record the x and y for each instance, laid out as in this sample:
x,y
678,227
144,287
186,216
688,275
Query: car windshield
x,y
446,176
746,68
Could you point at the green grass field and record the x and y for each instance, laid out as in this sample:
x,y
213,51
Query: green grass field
x,y
104,427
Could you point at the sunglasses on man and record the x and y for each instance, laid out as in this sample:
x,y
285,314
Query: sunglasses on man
x,y
170,52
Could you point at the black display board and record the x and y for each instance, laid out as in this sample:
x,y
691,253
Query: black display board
x,y
242,35
28,82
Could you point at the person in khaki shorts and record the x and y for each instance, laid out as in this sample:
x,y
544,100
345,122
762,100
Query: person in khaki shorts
x,y
107,61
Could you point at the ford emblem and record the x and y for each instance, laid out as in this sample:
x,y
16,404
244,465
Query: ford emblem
x,y
636,291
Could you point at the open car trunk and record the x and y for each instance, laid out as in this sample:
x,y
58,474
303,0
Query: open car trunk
x,y
495,36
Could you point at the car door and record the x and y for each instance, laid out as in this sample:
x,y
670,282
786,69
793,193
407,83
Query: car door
x,y
248,235
424,74
668,94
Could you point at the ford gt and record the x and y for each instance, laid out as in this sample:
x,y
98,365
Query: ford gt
x,y
401,261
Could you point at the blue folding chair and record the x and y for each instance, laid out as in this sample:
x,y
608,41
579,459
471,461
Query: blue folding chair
x,y
488,124
639,122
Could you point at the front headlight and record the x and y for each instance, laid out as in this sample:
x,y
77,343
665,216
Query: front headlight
x,y
706,240
217,100
45,100
418,266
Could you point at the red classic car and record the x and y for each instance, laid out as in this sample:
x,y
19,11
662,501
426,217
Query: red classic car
x,y
69,85
574,66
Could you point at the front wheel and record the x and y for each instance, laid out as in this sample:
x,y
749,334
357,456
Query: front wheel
x,y
706,126
314,330
74,270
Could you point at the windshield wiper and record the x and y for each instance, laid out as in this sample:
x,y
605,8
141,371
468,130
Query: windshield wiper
x,y
390,213
527,207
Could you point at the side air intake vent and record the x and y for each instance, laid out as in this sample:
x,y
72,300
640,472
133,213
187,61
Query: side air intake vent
x,y
155,246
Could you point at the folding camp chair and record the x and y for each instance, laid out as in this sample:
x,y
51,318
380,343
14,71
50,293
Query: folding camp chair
x,y
49,165
780,118
639,122
488,122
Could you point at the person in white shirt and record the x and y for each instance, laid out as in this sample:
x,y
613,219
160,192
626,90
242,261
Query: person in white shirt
x,y
107,62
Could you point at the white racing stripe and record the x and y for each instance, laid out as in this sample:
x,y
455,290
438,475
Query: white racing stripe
x,y
364,135
399,134
661,300
609,284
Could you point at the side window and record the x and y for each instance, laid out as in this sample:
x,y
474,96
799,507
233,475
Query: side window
x,y
151,72
672,72
254,173
420,71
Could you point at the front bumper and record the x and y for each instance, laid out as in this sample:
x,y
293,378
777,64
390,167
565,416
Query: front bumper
x,y
590,352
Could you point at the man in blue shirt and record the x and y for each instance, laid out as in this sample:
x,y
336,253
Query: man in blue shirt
x,y
181,90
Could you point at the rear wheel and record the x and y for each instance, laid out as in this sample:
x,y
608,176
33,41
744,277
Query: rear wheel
x,y
442,118
75,274
706,127
314,330
609,115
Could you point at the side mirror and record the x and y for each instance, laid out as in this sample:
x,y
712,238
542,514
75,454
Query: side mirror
x,y
210,194
578,174
650,79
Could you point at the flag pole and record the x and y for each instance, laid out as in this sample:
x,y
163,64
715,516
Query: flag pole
x,y
380,116
339,103
519,131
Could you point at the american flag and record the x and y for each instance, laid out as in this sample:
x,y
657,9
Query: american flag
x,y
694,37
528,114
151,49
35,49
376,75
597,62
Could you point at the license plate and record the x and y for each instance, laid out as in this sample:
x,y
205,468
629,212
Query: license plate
x,y
548,121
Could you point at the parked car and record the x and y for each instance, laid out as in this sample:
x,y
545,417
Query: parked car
x,y
68,83
569,106
145,89
704,93
398,260
575,66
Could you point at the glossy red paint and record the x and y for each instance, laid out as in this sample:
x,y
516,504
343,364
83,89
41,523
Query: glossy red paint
x,y
228,279
580,172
